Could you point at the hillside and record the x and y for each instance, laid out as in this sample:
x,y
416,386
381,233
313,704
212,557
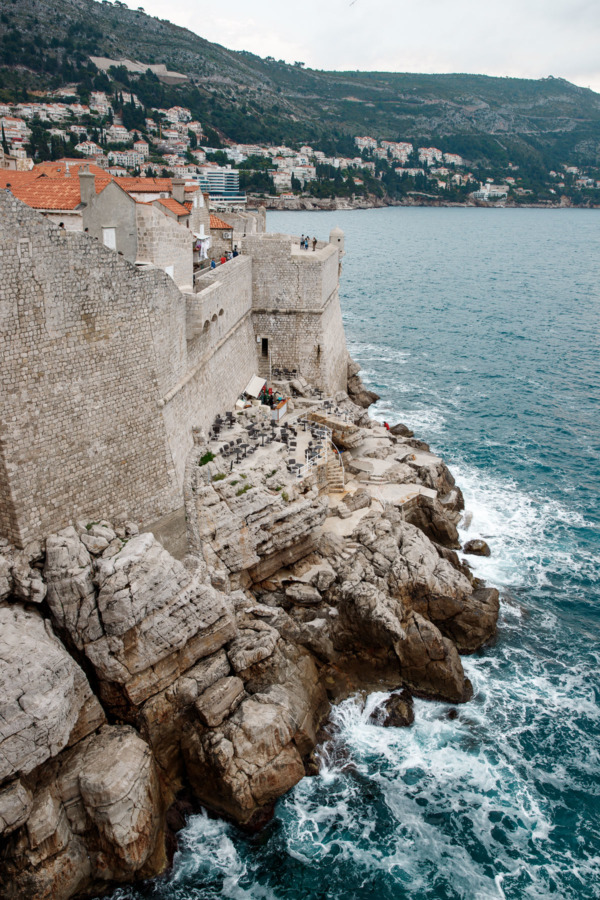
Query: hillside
x,y
488,120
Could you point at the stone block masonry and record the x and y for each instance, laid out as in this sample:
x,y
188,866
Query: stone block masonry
x,y
81,433
106,369
296,309
89,349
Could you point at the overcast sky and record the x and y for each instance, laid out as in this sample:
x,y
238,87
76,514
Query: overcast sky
x,y
529,38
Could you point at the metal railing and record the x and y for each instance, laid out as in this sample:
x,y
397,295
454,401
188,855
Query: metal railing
x,y
322,456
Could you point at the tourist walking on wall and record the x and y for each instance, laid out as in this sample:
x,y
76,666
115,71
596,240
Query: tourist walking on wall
x,y
314,244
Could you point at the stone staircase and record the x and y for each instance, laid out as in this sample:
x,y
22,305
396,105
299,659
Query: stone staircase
x,y
335,476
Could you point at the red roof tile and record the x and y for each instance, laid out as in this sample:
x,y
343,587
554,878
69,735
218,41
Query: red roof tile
x,y
174,206
49,193
53,193
8,176
145,185
216,223
59,167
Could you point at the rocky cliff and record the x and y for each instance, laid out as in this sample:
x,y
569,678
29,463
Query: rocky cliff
x,y
128,678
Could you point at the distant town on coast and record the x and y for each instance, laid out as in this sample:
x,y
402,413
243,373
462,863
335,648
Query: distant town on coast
x,y
265,133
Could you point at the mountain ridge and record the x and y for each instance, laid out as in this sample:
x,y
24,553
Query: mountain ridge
x,y
242,95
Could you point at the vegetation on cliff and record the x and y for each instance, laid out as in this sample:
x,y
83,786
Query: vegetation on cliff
x,y
537,124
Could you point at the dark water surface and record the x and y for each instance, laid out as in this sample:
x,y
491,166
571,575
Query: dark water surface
x,y
480,329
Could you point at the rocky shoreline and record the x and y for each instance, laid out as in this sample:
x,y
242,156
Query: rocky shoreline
x,y
315,204
136,687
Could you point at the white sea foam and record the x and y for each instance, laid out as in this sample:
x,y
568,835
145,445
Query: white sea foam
x,y
530,536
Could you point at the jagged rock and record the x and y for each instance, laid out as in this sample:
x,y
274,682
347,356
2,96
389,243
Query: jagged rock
x,y
359,394
119,790
219,701
204,674
256,754
430,663
275,534
96,817
437,475
422,570
26,577
150,620
305,594
253,645
6,581
477,547
429,516
360,499
163,716
452,557
71,591
94,543
473,623
45,698
396,712
401,430
371,615
101,530
15,806
316,636
27,583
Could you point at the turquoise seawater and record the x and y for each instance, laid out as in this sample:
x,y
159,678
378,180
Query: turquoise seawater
x,y
480,329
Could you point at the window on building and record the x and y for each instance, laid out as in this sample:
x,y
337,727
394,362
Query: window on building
x,y
109,238
265,346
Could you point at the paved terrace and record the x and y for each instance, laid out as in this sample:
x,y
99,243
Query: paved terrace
x,y
247,439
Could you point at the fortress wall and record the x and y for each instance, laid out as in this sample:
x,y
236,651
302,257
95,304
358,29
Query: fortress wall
x,y
334,355
211,386
9,523
163,242
295,305
82,432
223,296
286,279
311,341
105,369
221,355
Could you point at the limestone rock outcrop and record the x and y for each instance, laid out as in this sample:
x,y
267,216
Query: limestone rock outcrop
x,y
357,392
91,817
140,616
218,672
45,699
477,547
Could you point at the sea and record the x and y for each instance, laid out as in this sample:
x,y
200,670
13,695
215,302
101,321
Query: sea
x,y
479,328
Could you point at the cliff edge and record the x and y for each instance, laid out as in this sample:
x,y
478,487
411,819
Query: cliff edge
x,y
130,679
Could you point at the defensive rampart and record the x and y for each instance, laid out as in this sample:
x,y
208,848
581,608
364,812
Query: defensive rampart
x,y
106,369
296,309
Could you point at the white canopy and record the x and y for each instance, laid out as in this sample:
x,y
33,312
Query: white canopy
x,y
255,386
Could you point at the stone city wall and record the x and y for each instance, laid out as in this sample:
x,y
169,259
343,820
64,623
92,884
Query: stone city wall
x,y
81,430
285,277
105,368
164,243
295,306
220,355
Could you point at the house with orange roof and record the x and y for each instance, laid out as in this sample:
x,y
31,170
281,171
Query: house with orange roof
x,y
221,236
149,221
171,207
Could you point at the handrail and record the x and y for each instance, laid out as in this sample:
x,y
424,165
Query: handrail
x,y
322,458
